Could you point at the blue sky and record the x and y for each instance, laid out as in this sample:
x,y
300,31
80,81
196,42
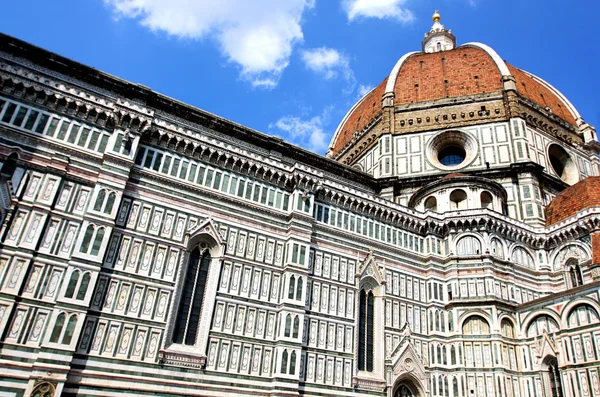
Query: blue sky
x,y
293,68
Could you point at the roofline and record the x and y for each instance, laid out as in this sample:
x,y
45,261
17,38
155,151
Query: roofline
x,y
154,100
391,83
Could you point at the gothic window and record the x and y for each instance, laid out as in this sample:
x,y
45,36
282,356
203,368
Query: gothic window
x,y
63,334
72,284
100,200
288,325
293,363
575,275
291,287
75,281
540,324
365,331
93,236
450,321
582,314
476,325
453,355
299,289
553,378
284,362
83,286
188,315
296,326
110,202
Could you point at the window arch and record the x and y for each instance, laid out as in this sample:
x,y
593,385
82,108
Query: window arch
x,y
70,329
487,201
582,314
87,238
468,245
93,237
83,286
458,200
299,289
365,331
431,204
293,363
476,325
58,327
188,315
540,324
507,328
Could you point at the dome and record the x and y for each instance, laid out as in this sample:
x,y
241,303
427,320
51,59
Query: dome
x,y
576,198
442,74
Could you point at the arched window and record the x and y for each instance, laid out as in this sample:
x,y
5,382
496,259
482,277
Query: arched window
x,y
68,336
486,200
97,241
9,167
296,327
497,248
284,362
540,324
110,203
288,325
85,281
100,200
553,377
72,284
299,289
431,204
450,321
453,355
476,325
365,331
293,363
58,327
574,273
188,315
521,257
87,238
468,245
508,330
582,314
458,200
291,287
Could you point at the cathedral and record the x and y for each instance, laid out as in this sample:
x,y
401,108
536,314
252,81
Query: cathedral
x,y
448,245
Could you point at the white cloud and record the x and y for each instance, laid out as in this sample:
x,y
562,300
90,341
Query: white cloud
x,y
392,9
363,90
257,35
306,132
330,63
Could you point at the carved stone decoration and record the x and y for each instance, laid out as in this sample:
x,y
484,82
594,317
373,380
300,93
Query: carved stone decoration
x,y
405,365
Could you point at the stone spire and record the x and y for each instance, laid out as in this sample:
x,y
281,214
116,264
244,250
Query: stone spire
x,y
438,38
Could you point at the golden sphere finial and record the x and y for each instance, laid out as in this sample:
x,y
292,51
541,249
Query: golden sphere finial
x,y
436,16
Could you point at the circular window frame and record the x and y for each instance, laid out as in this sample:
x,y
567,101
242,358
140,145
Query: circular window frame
x,y
570,174
446,139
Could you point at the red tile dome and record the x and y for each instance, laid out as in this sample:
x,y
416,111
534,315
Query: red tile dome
x,y
582,195
467,70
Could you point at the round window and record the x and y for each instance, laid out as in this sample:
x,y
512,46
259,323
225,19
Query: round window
x,y
562,164
451,155
451,150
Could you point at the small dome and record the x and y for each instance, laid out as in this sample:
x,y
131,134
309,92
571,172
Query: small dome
x,y
576,198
